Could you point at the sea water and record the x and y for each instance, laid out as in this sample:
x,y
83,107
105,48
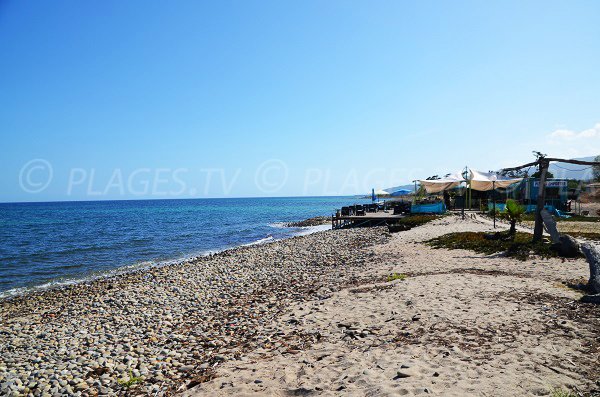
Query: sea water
x,y
48,244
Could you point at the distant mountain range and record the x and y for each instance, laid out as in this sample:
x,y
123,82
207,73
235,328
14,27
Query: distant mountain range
x,y
572,171
559,170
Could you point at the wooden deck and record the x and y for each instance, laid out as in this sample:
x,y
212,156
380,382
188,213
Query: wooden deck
x,y
369,219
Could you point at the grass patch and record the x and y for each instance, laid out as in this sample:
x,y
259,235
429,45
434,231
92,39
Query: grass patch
x,y
131,381
575,218
579,218
586,235
417,220
576,285
396,276
520,248
556,392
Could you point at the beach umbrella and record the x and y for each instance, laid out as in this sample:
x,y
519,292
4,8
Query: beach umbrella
x,y
401,192
381,193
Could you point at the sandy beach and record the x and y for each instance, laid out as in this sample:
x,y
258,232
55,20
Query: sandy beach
x,y
460,324
313,315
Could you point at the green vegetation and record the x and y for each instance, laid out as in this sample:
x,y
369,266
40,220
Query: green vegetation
x,y
417,220
537,174
579,218
513,213
132,380
586,235
519,245
492,210
556,392
574,218
396,276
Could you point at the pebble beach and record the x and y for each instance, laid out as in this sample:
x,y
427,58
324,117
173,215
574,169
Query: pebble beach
x,y
312,315
170,327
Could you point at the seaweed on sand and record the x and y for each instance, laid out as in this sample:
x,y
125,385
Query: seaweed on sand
x,y
520,247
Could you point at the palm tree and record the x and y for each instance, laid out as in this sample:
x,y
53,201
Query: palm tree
x,y
513,213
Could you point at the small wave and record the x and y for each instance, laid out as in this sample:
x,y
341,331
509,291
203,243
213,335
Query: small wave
x,y
100,274
279,225
144,265
260,241
24,290
312,229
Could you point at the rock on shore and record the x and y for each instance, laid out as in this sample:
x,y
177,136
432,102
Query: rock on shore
x,y
165,329
316,221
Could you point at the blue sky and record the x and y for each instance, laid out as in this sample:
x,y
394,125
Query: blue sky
x,y
248,98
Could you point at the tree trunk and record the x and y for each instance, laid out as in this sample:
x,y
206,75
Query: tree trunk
x,y
538,229
513,228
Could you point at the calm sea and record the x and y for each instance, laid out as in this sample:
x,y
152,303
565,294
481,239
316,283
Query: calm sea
x,y
46,244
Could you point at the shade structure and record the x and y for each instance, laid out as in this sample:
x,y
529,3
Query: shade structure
x,y
484,181
439,185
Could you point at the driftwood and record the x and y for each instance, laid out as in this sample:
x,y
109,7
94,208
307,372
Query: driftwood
x,y
592,255
398,227
591,299
550,224
568,247
565,245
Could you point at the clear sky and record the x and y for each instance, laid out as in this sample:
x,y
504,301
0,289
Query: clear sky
x,y
136,99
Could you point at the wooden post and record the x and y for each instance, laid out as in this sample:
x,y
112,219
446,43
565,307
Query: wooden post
x,y
415,193
538,230
464,203
494,200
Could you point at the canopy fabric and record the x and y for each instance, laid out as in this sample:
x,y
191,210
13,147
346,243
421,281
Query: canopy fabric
x,y
436,208
401,192
481,181
439,185
484,181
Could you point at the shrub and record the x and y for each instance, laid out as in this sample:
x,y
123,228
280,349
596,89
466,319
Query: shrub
x,y
417,220
396,276
518,246
513,213
131,381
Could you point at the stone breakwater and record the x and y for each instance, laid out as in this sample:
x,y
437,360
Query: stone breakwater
x,y
162,330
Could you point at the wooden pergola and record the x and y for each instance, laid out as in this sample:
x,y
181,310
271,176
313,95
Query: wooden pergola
x,y
543,163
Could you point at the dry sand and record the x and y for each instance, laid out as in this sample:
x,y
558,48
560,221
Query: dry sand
x,y
460,324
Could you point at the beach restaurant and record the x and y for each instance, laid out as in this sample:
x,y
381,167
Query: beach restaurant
x,y
466,183
488,189
557,194
470,190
